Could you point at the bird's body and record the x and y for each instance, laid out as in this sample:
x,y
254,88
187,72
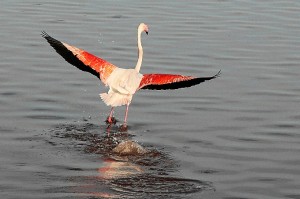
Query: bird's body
x,y
122,83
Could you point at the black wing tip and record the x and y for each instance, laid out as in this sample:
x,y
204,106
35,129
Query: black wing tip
x,y
203,79
208,78
218,74
215,76
212,77
44,34
68,55
50,39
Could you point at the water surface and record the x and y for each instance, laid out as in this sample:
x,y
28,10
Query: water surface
x,y
234,137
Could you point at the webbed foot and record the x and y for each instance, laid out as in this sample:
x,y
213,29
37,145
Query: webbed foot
x,y
111,120
123,128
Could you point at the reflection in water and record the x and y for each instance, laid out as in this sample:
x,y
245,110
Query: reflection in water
x,y
134,175
113,169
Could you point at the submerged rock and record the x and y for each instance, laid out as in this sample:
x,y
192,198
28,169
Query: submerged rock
x,y
129,148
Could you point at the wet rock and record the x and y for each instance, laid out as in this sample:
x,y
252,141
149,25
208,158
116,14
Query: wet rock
x,y
129,148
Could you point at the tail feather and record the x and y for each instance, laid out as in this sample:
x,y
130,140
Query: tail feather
x,y
115,99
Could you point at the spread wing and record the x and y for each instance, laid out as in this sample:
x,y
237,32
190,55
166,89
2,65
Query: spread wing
x,y
83,60
168,82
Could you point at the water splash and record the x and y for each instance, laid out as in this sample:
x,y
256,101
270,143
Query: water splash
x,y
134,175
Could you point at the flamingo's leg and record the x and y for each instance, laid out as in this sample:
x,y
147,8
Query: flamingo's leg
x,y
124,125
108,129
126,114
110,119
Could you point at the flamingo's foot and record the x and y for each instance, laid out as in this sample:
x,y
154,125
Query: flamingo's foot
x,y
111,120
108,129
123,128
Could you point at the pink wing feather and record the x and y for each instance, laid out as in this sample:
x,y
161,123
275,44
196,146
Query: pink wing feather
x,y
83,60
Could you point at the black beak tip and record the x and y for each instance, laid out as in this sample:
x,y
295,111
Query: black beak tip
x,y
147,32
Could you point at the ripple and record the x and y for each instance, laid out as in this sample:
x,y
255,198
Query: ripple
x,y
132,175
46,117
9,93
145,184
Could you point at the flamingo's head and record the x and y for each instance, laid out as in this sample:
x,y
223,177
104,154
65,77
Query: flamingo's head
x,y
143,28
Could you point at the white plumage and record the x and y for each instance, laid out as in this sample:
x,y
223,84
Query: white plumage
x,y
122,83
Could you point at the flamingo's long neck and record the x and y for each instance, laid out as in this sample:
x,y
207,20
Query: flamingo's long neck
x,y
140,52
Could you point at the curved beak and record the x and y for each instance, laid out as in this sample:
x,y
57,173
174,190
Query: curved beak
x,y
147,32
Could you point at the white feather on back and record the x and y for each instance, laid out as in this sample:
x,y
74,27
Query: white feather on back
x,y
123,84
124,81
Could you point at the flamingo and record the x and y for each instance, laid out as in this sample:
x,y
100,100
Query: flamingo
x,y
122,83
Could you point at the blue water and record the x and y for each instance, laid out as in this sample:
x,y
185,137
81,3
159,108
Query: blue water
x,y
237,136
